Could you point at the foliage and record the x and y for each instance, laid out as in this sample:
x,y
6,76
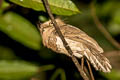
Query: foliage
x,y
20,29
16,70
23,57
59,7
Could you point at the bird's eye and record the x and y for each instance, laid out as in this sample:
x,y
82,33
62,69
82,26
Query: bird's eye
x,y
50,24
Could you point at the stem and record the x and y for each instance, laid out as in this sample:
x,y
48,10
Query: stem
x,y
90,70
102,28
83,74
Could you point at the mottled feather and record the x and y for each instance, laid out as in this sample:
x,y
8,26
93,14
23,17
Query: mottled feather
x,y
81,44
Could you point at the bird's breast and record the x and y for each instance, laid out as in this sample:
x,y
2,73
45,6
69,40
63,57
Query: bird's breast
x,y
76,47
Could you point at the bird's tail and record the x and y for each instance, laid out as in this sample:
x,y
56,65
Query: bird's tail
x,y
99,61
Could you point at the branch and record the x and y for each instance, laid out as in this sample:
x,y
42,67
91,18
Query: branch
x,y
85,69
90,70
112,53
1,3
83,74
114,57
102,28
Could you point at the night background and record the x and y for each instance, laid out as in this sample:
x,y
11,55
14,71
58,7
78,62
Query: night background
x,y
22,54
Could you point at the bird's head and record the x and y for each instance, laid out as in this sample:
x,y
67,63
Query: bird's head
x,y
47,25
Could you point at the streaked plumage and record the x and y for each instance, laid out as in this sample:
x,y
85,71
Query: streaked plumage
x,y
81,44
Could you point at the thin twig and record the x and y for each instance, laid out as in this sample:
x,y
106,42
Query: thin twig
x,y
84,68
86,71
90,70
1,3
112,53
102,28
83,74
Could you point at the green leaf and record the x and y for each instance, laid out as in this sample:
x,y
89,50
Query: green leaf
x,y
59,7
16,70
3,5
114,75
114,24
107,8
6,53
20,29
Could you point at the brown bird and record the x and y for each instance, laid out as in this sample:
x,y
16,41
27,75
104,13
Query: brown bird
x,y
80,43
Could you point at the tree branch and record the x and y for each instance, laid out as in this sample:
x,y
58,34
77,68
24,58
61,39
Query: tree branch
x,y
90,70
1,3
83,74
102,28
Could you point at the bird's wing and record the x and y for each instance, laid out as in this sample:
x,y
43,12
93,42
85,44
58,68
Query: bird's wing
x,y
99,61
78,35
92,49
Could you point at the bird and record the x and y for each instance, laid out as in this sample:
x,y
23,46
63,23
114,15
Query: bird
x,y
82,45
